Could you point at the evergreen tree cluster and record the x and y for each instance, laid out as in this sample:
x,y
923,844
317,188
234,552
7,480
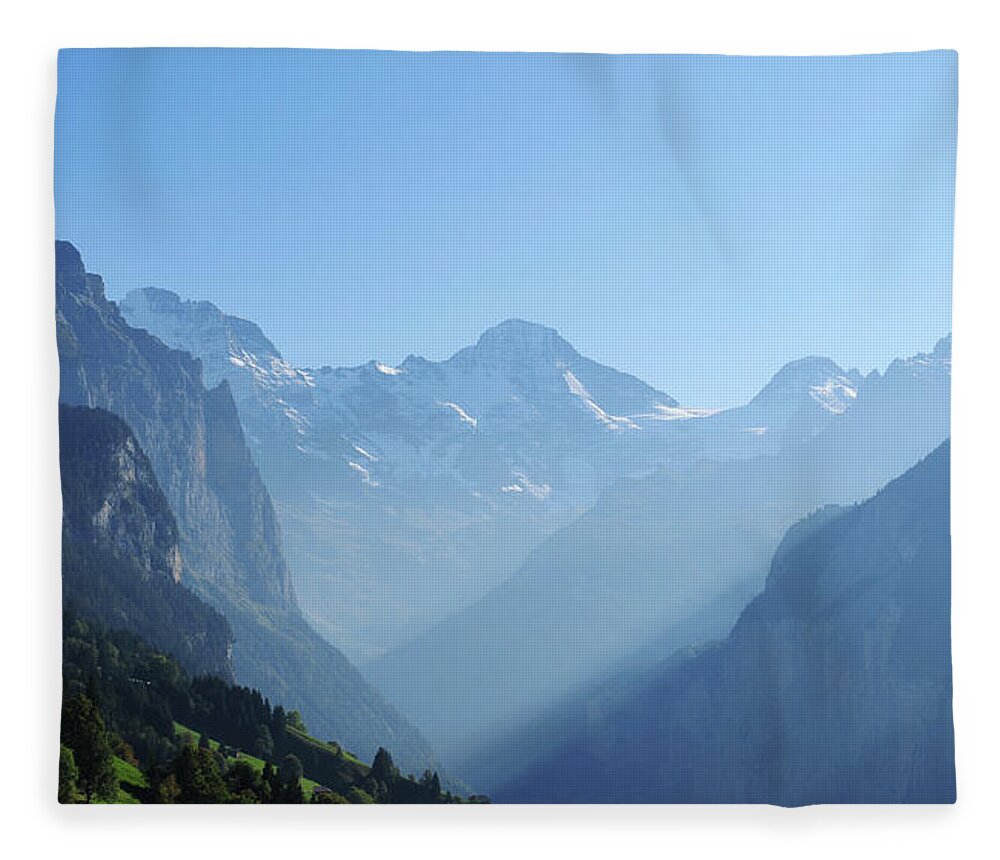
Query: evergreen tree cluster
x,y
85,761
122,697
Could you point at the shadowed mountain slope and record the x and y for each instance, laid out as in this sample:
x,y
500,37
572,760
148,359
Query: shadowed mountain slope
x,y
833,687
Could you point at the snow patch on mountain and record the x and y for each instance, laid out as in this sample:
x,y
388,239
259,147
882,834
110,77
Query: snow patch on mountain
x,y
462,414
526,485
677,413
577,388
834,394
297,419
312,453
366,476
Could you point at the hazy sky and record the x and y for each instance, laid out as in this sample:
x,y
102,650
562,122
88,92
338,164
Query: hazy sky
x,y
695,220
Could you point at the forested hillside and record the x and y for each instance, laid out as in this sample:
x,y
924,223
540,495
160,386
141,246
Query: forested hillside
x,y
137,727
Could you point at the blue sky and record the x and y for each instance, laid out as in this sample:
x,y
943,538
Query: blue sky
x,y
695,220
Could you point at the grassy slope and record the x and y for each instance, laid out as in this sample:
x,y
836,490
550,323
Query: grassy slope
x,y
311,741
131,782
257,764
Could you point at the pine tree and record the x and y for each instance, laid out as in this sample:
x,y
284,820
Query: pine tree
x,y
383,769
198,776
290,777
168,791
293,792
68,775
263,745
84,733
291,768
273,781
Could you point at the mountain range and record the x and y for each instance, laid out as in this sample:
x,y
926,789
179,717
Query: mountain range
x,y
493,534
407,493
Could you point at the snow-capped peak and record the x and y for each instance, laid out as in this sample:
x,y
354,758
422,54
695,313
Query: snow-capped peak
x,y
817,378
517,341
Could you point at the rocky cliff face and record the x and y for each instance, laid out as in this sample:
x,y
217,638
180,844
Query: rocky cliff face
x,y
111,495
833,687
122,563
228,532
159,394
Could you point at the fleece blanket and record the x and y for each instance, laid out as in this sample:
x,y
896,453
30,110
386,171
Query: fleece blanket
x,y
493,427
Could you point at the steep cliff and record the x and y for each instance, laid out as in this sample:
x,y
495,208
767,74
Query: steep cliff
x,y
122,563
229,537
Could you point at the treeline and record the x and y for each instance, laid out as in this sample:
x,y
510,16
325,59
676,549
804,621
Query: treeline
x,y
123,699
